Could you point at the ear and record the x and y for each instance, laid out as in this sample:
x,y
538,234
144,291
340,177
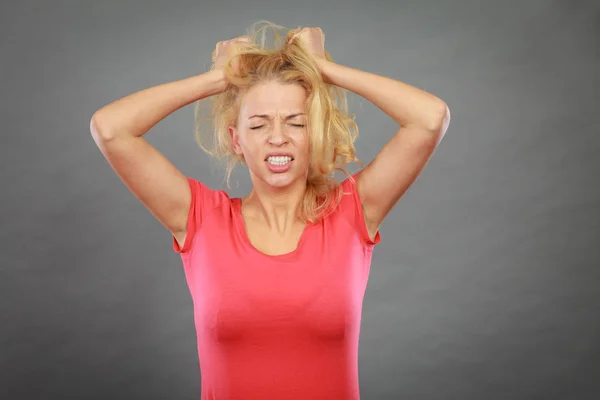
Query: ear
x,y
235,140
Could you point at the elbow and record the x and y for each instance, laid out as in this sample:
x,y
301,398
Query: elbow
x,y
98,128
94,126
439,119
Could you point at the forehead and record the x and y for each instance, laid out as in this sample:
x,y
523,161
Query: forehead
x,y
273,98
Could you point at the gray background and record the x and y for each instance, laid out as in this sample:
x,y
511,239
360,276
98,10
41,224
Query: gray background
x,y
485,285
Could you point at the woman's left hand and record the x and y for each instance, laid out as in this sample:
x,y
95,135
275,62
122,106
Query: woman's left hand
x,y
313,40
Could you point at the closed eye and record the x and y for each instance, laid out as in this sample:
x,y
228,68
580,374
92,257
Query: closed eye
x,y
294,125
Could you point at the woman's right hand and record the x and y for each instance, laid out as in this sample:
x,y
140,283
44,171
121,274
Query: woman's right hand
x,y
226,49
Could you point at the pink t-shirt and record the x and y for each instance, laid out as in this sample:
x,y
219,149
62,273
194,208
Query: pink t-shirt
x,y
276,327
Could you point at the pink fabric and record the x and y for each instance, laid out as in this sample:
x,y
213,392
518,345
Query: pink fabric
x,y
276,327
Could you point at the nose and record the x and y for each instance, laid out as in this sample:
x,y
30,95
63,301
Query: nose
x,y
277,136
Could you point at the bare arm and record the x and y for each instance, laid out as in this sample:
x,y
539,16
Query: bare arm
x,y
423,120
118,127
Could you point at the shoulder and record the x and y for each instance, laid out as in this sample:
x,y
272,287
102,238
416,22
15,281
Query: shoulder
x,y
204,200
350,208
206,197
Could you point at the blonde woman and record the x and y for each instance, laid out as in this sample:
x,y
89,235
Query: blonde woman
x,y
277,278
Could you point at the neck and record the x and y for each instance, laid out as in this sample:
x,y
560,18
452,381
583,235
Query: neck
x,y
276,207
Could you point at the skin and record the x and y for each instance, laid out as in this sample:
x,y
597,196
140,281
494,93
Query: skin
x,y
270,211
423,120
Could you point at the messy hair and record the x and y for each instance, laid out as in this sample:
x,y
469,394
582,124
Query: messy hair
x,y
332,131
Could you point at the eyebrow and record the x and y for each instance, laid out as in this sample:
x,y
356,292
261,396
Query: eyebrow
x,y
265,116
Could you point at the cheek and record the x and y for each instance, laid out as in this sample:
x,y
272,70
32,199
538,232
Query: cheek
x,y
301,139
306,145
247,144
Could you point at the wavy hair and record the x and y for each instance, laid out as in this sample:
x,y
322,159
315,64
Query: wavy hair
x,y
332,131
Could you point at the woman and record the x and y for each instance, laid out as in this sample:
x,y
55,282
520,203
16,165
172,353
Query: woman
x,y
277,278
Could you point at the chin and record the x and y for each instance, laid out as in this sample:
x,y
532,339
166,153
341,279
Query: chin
x,y
281,180
285,179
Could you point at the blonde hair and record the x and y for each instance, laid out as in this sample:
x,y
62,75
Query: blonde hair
x,y
332,131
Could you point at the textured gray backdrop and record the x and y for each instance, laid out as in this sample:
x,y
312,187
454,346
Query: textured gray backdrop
x,y
485,285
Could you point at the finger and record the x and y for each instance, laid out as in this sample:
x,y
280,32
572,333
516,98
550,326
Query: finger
x,y
294,33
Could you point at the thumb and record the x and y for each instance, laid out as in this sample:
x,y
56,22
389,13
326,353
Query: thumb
x,y
293,34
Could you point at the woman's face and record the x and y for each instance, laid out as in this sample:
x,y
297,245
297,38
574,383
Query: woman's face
x,y
271,133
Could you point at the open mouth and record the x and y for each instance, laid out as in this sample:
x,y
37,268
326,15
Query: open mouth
x,y
279,160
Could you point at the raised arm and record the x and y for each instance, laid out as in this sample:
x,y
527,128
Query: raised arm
x,y
423,120
118,127
118,130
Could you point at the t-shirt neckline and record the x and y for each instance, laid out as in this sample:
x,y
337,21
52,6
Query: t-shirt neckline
x,y
241,227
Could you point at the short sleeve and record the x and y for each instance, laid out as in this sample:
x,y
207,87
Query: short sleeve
x,y
203,199
351,208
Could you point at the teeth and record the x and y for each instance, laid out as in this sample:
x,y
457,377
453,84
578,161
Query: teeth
x,y
279,160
